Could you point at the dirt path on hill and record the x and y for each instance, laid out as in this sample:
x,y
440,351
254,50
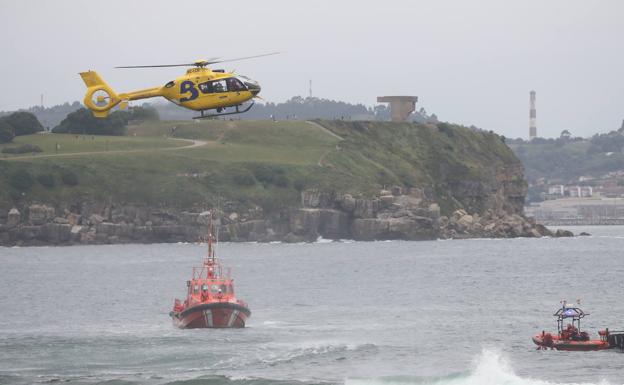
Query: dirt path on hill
x,y
194,143
322,158
325,129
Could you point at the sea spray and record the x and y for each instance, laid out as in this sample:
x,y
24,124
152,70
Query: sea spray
x,y
490,367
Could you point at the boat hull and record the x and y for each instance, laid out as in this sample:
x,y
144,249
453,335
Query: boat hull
x,y
212,315
554,342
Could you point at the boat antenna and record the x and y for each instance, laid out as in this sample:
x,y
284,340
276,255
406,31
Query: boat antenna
x,y
211,256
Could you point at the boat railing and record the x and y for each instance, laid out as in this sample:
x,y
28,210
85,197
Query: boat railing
x,y
616,339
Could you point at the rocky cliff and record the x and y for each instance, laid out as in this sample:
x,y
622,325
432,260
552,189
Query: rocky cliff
x,y
379,181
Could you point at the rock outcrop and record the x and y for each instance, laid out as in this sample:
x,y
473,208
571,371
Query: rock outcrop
x,y
392,214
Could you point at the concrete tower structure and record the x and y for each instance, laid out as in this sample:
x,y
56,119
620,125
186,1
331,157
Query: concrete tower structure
x,y
400,106
532,117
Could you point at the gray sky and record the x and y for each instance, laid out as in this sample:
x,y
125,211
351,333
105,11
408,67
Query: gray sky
x,y
471,62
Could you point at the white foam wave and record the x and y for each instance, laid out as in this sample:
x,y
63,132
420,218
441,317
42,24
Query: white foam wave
x,y
276,353
323,240
489,368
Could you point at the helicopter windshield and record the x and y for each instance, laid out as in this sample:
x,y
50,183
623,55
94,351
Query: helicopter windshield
x,y
248,82
235,85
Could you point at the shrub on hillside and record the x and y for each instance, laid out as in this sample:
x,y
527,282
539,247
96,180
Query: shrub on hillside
x,y
46,180
243,178
446,129
143,113
23,123
280,180
21,180
269,174
23,149
82,121
299,184
6,132
69,178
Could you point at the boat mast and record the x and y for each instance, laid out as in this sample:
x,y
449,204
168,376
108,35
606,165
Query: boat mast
x,y
211,255
211,262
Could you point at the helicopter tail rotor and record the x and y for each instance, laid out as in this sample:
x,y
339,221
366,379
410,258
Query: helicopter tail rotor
x,y
100,97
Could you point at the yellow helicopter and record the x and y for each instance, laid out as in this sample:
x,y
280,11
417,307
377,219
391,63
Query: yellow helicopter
x,y
200,89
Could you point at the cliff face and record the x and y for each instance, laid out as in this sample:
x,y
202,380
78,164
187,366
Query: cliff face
x,y
379,181
456,167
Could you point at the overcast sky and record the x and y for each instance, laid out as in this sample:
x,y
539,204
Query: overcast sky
x,y
470,62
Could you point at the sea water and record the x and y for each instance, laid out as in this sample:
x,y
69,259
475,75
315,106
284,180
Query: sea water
x,y
441,312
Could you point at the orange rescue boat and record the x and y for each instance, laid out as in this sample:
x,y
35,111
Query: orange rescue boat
x,y
210,301
571,337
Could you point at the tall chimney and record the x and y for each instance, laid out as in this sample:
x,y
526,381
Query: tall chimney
x,y
532,117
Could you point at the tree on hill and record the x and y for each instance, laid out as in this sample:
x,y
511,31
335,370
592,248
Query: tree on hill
x,y
50,116
565,134
82,121
23,123
6,132
143,113
610,142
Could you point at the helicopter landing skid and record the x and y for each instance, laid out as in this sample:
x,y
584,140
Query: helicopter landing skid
x,y
238,111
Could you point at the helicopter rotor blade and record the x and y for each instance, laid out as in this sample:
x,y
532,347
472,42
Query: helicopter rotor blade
x,y
160,65
197,63
201,63
241,58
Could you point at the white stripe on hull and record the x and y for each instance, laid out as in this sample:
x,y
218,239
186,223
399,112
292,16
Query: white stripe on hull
x,y
232,318
208,315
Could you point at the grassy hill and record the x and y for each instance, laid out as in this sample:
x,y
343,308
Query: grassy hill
x,y
262,163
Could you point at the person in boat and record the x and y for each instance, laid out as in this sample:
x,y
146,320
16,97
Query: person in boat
x,y
572,333
204,295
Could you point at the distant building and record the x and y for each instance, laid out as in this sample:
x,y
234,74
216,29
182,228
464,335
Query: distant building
x,y
578,211
400,106
556,190
570,191
580,191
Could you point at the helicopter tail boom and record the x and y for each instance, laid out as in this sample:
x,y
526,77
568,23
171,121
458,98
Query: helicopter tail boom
x,y
100,97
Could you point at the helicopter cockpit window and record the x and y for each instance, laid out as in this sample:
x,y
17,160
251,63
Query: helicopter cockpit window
x,y
206,87
214,86
235,84
219,86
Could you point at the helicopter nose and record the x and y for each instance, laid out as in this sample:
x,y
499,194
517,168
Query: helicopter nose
x,y
252,85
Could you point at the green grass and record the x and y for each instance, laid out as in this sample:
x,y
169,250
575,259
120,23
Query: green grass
x,y
255,163
69,144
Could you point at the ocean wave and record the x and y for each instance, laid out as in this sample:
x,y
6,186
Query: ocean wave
x,y
311,351
225,380
489,368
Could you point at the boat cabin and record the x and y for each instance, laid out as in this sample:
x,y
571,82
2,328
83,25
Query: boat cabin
x,y
209,284
570,315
